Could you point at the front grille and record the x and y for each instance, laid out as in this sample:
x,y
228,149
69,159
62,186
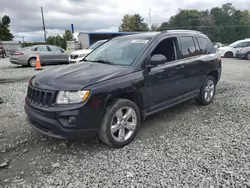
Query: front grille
x,y
74,56
40,97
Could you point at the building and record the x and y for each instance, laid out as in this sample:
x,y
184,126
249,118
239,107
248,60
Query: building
x,y
88,38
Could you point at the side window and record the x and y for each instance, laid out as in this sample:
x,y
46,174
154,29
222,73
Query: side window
x,y
248,44
55,49
33,49
197,46
188,47
167,47
242,45
203,45
42,49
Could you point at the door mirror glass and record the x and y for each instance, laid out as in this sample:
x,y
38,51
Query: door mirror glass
x,y
158,59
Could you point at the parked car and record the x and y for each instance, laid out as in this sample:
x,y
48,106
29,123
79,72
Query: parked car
x,y
243,53
78,55
217,45
49,54
121,83
2,52
230,51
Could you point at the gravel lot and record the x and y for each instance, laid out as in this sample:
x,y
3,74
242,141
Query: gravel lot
x,y
186,146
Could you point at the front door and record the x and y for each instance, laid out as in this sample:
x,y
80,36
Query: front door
x,y
165,81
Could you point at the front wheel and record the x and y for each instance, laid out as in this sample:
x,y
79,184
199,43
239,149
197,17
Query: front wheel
x,y
229,55
207,91
120,123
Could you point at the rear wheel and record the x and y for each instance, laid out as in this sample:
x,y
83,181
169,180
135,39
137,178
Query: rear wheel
x,y
32,62
207,91
120,123
229,55
247,56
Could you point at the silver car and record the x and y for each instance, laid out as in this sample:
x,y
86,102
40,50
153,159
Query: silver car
x,y
48,55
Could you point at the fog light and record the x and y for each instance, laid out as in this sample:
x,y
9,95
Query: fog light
x,y
72,120
69,121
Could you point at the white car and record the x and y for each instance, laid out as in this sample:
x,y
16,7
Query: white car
x,y
231,50
79,55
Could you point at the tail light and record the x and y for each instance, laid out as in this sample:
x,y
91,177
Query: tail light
x,y
18,53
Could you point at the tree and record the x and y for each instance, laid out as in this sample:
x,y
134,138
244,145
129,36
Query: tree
x,y
68,35
133,23
4,29
223,24
60,40
155,27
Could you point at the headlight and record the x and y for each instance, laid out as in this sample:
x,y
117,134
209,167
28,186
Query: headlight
x,y
72,97
82,55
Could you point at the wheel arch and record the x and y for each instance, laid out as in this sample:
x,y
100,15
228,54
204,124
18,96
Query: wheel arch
x,y
214,74
31,57
133,96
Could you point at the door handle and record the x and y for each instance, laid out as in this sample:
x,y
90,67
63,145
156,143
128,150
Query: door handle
x,y
179,67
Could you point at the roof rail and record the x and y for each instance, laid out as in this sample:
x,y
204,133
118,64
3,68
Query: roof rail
x,y
181,30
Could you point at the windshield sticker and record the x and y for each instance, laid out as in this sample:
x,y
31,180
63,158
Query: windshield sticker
x,y
139,41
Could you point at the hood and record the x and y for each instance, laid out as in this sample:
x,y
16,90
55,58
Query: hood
x,y
225,48
78,76
83,51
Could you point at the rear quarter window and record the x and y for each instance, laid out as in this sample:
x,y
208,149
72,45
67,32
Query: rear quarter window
x,y
206,46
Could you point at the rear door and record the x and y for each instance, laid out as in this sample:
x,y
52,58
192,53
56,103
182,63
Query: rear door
x,y
191,54
45,54
59,55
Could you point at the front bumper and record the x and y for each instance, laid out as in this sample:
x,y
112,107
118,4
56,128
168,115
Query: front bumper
x,y
48,124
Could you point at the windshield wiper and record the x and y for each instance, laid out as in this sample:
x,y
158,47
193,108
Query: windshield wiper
x,y
104,62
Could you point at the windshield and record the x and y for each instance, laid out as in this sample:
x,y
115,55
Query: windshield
x,y
118,51
96,44
234,44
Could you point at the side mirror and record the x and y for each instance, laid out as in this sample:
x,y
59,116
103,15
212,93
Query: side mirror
x,y
158,59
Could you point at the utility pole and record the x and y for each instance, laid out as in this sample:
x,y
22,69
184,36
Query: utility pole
x,y
44,30
149,13
23,41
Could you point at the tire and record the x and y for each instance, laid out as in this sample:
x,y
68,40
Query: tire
x,y
229,55
247,56
129,127
4,55
208,89
32,62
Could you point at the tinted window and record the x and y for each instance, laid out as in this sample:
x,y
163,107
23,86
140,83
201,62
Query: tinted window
x,y
197,47
42,49
188,46
203,45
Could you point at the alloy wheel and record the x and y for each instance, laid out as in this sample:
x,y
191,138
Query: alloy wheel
x,y
123,124
209,90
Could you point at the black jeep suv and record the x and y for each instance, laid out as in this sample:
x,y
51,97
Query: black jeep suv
x,y
122,82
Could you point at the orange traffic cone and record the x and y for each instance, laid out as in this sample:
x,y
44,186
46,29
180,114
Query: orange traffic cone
x,y
38,63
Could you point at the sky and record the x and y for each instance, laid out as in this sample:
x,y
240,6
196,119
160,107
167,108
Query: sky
x,y
92,15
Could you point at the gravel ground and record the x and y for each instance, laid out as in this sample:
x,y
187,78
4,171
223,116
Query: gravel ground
x,y
186,146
